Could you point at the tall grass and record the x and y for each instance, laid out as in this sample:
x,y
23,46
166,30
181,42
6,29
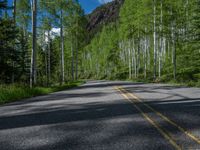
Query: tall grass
x,y
10,93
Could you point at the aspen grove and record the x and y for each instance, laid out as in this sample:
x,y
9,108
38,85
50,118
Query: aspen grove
x,y
154,40
47,42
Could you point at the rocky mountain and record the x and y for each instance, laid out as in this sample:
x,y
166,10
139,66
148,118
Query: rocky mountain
x,y
103,15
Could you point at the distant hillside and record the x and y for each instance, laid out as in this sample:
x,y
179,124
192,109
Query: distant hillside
x,y
103,15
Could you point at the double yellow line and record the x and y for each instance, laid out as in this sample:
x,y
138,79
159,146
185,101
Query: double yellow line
x,y
134,99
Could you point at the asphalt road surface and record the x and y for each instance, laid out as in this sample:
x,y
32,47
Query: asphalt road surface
x,y
105,115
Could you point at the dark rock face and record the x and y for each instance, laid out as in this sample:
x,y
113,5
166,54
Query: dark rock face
x,y
104,14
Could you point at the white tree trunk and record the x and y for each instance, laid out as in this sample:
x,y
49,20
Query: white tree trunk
x,y
77,46
173,37
161,40
14,10
62,49
129,59
148,52
49,59
134,58
14,19
33,72
174,49
186,23
154,39
138,54
145,55
72,66
46,65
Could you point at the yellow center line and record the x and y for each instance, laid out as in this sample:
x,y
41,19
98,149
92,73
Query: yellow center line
x,y
163,132
187,133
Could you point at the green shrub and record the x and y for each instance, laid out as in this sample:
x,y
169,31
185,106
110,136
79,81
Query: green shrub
x,y
9,93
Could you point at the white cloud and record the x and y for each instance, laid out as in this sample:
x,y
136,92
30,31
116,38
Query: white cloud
x,y
43,41
53,33
104,1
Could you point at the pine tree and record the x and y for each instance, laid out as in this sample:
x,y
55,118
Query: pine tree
x,y
8,55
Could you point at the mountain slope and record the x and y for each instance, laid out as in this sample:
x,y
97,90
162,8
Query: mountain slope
x,y
104,14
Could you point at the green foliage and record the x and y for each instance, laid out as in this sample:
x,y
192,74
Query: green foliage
x,y
8,54
151,41
101,56
125,49
10,93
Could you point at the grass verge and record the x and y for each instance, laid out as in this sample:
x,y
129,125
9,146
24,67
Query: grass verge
x,y
171,82
11,93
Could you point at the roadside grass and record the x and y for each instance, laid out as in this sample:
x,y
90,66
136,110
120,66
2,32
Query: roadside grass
x,y
187,83
11,93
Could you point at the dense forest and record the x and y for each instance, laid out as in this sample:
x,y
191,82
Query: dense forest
x,y
43,43
40,41
152,41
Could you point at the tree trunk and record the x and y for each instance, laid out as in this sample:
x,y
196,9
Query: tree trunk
x,y
154,41
145,55
14,19
138,54
72,49
77,46
161,40
46,66
186,23
174,49
129,58
173,36
34,52
62,49
134,58
49,59
14,10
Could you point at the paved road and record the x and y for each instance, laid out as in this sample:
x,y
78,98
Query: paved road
x,y
102,115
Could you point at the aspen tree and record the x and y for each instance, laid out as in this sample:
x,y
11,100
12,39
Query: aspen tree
x,y
33,73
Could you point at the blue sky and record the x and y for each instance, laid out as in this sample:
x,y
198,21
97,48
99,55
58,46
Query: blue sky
x,y
88,5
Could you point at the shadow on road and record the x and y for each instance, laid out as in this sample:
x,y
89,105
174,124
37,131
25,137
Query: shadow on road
x,y
85,119
171,103
63,115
